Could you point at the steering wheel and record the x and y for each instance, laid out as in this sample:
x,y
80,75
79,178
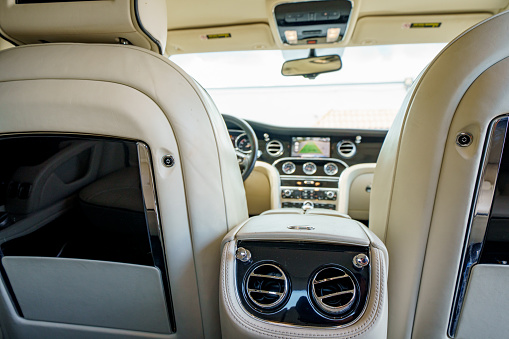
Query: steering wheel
x,y
246,161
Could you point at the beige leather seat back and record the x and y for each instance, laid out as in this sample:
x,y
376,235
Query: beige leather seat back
x,y
131,93
425,186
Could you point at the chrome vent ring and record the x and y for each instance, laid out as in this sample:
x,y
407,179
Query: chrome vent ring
x,y
274,148
267,286
347,148
333,290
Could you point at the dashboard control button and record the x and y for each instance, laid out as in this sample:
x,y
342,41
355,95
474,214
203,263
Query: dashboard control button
x,y
309,168
287,193
330,195
307,205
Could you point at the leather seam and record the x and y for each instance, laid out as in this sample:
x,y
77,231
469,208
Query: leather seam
x,y
365,327
152,97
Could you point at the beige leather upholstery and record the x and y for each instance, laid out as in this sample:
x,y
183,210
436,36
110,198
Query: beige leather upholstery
x,y
59,280
354,194
242,37
4,44
142,23
326,229
90,89
313,211
424,183
236,322
485,308
263,189
386,29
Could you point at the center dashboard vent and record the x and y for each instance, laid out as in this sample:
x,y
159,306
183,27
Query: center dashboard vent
x,y
274,148
267,286
334,291
347,148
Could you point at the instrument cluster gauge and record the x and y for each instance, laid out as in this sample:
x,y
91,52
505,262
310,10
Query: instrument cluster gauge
x,y
243,144
288,167
309,168
330,168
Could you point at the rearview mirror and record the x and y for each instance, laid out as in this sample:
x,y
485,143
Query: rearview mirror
x,y
312,66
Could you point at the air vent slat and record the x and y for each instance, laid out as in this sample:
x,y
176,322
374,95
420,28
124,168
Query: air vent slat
x,y
336,294
266,286
334,291
329,279
346,148
264,292
274,148
267,276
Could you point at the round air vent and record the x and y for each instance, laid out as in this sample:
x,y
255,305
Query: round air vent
x,y
347,148
267,286
333,291
274,148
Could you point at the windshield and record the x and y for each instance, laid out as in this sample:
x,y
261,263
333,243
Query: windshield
x,y
366,93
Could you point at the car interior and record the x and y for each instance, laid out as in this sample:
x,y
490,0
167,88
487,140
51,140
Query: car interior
x,y
254,169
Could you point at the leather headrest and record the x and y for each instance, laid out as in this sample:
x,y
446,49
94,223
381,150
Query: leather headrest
x,y
141,23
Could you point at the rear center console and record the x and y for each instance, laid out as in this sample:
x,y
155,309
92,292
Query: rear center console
x,y
303,274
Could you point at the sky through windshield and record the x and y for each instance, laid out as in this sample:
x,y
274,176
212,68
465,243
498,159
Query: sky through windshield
x,y
365,93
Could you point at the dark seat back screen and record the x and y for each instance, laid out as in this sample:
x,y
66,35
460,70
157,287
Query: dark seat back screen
x,y
75,197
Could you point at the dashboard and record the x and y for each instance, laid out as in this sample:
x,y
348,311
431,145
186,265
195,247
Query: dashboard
x,y
310,160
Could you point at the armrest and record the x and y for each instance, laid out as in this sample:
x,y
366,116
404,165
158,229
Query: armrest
x,y
301,245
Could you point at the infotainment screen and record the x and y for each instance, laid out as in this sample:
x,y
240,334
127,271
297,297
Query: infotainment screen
x,y
309,147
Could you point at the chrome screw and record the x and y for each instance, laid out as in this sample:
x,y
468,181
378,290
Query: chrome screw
x,y
243,254
361,260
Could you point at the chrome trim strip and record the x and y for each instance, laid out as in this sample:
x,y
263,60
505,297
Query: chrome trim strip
x,y
336,294
309,159
250,290
330,279
154,225
316,189
479,215
306,177
266,276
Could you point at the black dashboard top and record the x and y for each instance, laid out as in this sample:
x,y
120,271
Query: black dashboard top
x,y
351,146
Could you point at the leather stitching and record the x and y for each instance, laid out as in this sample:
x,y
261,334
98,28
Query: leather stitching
x,y
248,324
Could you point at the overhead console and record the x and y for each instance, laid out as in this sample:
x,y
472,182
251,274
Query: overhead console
x,y
311,23
299,275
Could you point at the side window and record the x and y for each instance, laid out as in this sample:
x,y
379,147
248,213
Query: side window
x,y
75,206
